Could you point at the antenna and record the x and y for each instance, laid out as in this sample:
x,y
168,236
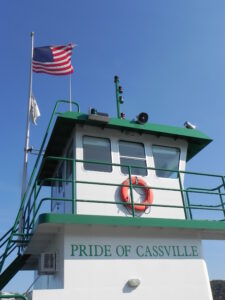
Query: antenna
x,y
119,97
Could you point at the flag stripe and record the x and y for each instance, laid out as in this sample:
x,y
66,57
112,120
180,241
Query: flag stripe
x,y
62,47
53,60
61,57
54,73
52,68
52,63
57,52
63,62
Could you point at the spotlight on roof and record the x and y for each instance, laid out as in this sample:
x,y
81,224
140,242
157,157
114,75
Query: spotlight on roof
x,y
134,282
189,125
142,118
98,116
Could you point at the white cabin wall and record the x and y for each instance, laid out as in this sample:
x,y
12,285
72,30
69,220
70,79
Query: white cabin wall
x,y
111,193
183,277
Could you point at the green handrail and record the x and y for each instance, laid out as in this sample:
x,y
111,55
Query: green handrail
x,y
73,188
187,190
209,191
192,190
34,208
15,296
222,197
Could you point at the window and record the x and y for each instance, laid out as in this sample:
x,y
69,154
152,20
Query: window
x,y
97,149
132,154
166,158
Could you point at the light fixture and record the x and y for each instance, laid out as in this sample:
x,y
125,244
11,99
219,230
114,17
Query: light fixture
x,y
98,116
92,111
188,125
122,115
134,282
120,89
121,99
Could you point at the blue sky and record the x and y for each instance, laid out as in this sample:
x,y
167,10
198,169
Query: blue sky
x,y
169,55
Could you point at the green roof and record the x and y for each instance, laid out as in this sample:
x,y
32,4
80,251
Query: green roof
x,y
65,123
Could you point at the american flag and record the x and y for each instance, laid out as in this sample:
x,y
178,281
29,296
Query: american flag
x,y
53,60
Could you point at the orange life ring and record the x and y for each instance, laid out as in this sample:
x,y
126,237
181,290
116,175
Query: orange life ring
x,y
140,182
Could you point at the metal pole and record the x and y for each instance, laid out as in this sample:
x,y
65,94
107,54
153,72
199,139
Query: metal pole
x,y
182,194
221,197
70,93
73,187
131,191
189,205
28,124
34,206
116,80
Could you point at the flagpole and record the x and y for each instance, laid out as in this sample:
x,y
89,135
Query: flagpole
x,y
70,92
26,148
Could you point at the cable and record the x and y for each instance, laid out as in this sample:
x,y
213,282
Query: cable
x,y
27,291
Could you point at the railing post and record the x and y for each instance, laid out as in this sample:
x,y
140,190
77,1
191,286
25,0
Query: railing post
x,y
221,197
34,206
182,194
28,217
131,192
73,188
189,208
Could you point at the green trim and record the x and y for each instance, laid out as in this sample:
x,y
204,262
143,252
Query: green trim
x,y
129,221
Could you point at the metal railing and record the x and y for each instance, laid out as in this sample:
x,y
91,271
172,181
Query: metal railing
x,y
13,296
35,202
34,206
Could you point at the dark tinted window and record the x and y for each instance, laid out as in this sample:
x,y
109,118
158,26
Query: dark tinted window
x,y
99,150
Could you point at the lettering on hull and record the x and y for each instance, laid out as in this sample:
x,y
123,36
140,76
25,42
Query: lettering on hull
x,y
134,251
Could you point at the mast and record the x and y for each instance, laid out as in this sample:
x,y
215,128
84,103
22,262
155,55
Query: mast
x,y
26,147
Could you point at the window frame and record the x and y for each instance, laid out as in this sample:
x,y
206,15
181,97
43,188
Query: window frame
x,y
132,157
